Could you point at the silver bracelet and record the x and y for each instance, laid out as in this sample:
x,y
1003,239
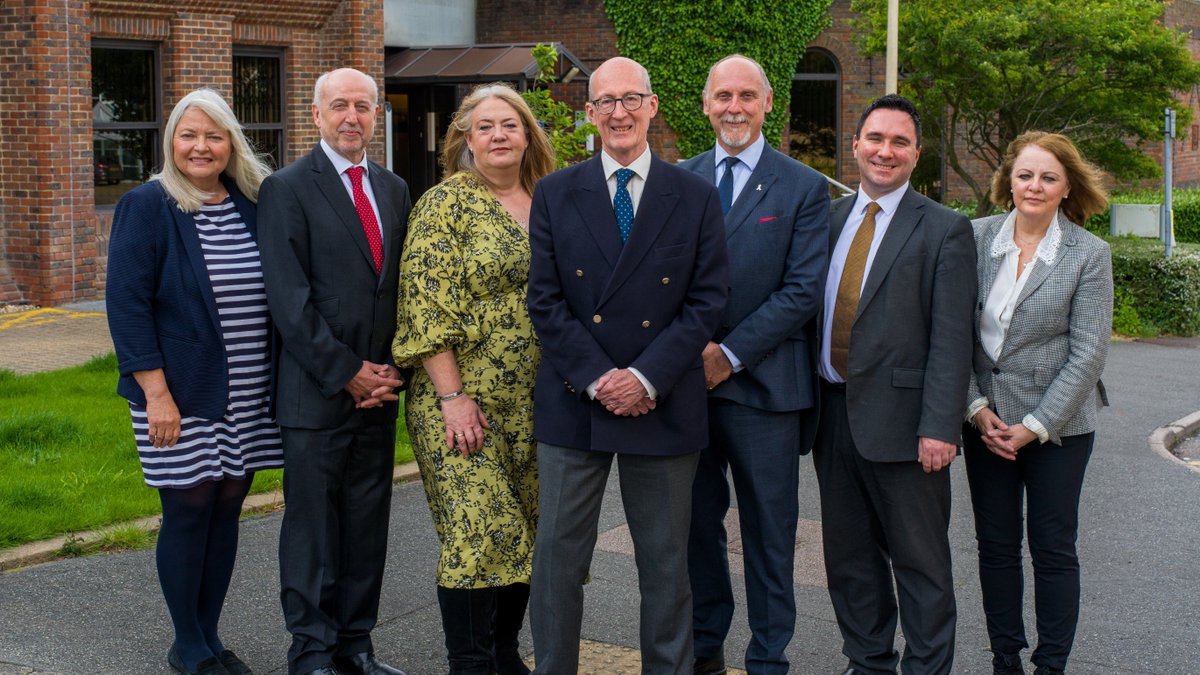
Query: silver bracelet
x,y
451,396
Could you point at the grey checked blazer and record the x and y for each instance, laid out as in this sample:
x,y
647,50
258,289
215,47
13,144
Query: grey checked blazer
x,y
1054,352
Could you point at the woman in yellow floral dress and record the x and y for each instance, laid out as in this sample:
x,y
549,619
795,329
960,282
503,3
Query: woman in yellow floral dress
x,y
462,324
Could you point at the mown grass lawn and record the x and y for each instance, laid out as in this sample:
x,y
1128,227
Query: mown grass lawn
x,y
68,462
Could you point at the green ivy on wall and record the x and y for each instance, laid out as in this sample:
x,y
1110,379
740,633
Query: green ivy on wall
x,y
678,40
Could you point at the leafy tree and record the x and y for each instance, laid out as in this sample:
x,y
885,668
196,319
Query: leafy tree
x,y
1099,71
678,40
568,133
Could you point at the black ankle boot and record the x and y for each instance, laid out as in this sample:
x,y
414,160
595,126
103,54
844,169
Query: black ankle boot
x,y
1007,664
510,616
1047,670
467,618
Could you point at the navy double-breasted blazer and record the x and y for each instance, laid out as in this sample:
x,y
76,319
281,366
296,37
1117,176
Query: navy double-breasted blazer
x,y
651,303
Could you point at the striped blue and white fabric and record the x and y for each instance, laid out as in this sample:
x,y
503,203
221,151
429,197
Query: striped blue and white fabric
x,y
246,439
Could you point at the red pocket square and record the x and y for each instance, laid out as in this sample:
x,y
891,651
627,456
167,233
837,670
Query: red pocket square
x,y
767,219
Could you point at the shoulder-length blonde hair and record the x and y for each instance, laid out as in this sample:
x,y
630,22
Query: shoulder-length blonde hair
x,y
1087,195
245,167
538,160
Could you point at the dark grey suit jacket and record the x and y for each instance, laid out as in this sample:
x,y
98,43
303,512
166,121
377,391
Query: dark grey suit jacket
x,y
330,308
911,343
777,234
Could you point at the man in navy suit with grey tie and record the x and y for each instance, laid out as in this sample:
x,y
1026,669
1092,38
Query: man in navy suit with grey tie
x,y
759,371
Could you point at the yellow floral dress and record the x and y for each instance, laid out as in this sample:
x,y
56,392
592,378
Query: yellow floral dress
x,y
463,277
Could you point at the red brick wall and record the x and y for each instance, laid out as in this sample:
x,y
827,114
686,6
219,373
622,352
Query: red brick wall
x,y
581,26
47,226
1184,15
54,239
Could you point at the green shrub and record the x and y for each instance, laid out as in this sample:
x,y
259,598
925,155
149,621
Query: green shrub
x,y
1186,202
1154,294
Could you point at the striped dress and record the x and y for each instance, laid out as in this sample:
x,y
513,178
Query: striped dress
x,y
246,439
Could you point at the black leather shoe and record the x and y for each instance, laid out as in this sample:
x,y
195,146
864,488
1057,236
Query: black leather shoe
x,y
1007,664
709,665
1047,670
324,670
210,666
233,664
364,663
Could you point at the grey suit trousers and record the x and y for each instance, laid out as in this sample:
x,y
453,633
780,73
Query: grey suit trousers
x,y
879,520
656,494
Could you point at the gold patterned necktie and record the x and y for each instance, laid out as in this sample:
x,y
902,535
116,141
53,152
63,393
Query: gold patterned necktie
x,y
849,289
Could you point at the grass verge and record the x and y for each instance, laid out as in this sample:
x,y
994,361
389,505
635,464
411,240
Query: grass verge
x,y
68,462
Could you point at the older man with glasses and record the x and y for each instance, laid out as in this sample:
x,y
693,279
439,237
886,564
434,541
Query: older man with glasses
x,y
627,284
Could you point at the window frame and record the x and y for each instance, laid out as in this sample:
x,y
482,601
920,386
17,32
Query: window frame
x,y
277,53
156,124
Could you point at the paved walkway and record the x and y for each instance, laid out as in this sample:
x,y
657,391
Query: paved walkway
x,y
1139,544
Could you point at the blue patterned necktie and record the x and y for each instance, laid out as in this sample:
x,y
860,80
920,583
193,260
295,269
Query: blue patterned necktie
x,y
725,188
623,204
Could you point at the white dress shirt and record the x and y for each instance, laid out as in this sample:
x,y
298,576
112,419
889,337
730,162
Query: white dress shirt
x,y
641,169
887,208
342,165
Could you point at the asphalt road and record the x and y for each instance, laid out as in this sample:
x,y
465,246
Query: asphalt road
x,y
1139,548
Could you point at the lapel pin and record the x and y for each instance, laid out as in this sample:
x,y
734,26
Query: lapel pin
x,y
759,188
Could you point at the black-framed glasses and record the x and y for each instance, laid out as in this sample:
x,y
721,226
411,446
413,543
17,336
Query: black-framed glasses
x,y
629,102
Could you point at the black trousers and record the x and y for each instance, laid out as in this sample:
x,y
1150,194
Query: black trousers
x,y
1045,482
881,520
337,486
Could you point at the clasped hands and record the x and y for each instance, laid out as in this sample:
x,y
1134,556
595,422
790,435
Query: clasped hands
x,y
373,384
621,393
1002,439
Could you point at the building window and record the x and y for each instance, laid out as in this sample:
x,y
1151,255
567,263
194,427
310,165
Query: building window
x,y
813,125
125,117
258,99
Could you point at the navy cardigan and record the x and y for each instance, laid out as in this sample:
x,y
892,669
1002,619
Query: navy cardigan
x,y
161,308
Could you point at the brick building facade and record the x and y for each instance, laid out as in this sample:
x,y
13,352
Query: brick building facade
x,y
56,206
53,226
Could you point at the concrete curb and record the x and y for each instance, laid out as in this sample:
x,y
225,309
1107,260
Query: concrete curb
x,y
1163,439
40,552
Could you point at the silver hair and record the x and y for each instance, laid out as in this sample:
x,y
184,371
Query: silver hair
x,y
325,77
761,72
245,167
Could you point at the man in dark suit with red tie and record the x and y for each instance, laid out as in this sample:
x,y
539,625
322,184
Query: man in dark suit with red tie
x,y
627,284
331,226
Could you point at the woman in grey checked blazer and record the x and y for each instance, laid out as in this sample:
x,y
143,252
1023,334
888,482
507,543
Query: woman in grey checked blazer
x,y
1042,326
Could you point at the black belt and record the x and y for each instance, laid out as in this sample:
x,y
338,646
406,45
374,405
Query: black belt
x,y
839,387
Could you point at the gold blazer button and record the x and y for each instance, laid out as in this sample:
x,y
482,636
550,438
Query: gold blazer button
x,y
645,324
596,319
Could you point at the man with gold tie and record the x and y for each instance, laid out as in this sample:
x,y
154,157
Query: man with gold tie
x,y
894,366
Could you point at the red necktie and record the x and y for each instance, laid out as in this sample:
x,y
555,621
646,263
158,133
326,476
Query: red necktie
x,y
367,215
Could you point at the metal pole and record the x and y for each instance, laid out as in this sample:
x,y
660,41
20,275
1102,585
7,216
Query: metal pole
x,y
1168,213
387,132
893,30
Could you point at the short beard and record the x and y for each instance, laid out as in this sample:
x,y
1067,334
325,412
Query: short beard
x,y
735,141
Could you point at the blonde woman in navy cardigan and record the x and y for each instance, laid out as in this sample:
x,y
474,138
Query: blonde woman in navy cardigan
x,y
188,317
1042,326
